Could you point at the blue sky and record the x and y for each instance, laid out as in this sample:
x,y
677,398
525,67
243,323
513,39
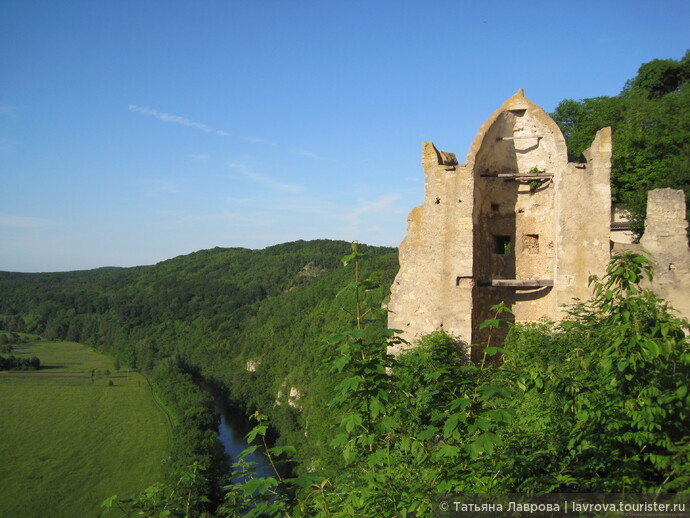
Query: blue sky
x,y
135,131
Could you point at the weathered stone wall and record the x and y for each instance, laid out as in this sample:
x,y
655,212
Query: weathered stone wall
x,y
488,224
512,213
433,290
584,222
665,242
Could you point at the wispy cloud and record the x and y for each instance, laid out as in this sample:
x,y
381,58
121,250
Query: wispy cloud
x,y
176,119
12,221
164,186
236,217
156,185
380,204
356,221
263,179
259,140
307,154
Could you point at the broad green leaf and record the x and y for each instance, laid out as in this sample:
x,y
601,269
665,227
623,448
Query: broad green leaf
x,y
460,404
257,430
499,415
428,433
279,450
350,421
489,391
247,451
450,426
377,458
485,443
339,439
490,351
260,485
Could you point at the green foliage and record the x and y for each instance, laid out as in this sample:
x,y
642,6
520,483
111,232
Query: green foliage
x,y
360,355
250,494
651,130
601,406
397,454
191,410
535,183
11,363
179,498
428,374
662,76
598,403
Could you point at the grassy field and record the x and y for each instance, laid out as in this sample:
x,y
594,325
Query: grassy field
x,y
69,438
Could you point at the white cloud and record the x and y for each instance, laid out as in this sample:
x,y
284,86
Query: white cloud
x,y
356,224
263,179
164,186
380,204
176,119
307,154
258,140
232,217
12,221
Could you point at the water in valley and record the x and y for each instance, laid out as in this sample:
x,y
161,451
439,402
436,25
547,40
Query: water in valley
x,y
231,432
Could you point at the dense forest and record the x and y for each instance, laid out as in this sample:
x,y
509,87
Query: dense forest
x,y
298,339
212,314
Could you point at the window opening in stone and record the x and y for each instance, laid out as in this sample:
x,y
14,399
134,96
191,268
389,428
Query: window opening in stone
x,y
495,207
530,243
438,200
502,245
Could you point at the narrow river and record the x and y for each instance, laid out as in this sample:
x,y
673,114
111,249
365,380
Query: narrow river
x,y
231,432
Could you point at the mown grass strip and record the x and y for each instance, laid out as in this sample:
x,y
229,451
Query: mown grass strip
x,y
75,433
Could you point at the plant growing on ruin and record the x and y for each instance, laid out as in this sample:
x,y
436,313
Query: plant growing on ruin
x,y
535,183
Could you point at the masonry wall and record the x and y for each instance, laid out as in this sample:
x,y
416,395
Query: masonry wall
x,y
483,226
584,222
665,242
515,221
433,289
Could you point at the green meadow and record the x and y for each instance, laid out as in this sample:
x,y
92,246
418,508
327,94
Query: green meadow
x,y
75,432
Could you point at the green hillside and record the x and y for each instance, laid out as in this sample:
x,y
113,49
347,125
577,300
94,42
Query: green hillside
x,y
211,311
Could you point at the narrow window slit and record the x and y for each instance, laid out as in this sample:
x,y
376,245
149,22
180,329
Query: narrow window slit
x,y
502,245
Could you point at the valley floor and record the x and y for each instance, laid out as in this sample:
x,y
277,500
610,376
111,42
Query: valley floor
x,y
76,432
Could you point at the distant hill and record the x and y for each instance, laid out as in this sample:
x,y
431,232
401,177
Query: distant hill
x,y
217,311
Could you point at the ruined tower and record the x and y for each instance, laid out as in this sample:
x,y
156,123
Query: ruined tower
x,y
516,223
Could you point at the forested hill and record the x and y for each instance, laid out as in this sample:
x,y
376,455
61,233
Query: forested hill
x,y
213,310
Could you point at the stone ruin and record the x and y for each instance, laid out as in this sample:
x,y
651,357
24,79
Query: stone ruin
x,y
518,223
